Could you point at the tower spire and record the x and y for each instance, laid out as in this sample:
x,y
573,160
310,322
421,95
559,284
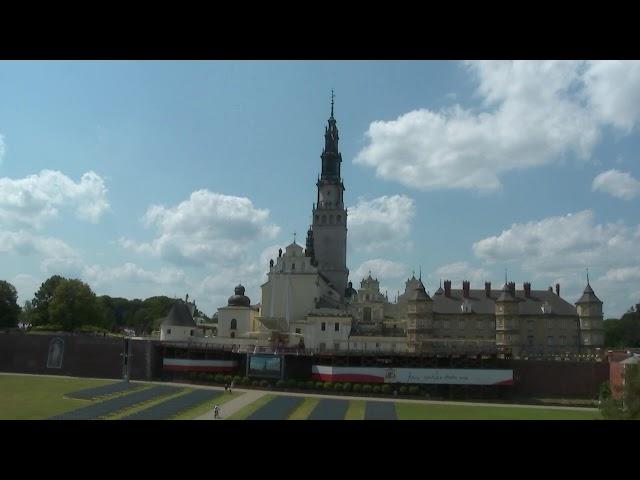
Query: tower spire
x,y
587,275
332,97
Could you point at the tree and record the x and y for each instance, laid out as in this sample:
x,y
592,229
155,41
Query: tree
x,y
625,332
42,298
9,308
628,407
28,313
74,304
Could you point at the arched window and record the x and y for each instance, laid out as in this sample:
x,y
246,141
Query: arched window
x,y
233,334
339,219
324,219
331,219
317,218
366,314
234,324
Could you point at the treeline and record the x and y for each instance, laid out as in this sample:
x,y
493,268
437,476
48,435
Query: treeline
x,y
70,305
623,332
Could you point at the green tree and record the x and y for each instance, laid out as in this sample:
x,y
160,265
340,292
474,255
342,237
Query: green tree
x,y
627,407
74,304
625,332
42,298
27,314
9,308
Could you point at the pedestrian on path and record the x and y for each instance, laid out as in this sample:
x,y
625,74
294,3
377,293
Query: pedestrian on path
x,y
231,387
216,411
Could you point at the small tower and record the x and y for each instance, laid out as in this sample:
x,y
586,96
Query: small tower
x,y
589,308
419,314
507,322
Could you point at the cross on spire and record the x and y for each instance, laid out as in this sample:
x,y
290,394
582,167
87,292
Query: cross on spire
x,y
332,97
294,237
587,275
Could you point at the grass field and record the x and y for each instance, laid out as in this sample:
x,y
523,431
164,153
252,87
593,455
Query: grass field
x,y
39,397
26,397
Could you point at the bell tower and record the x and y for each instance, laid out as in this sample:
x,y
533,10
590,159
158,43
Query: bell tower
x,y
329,227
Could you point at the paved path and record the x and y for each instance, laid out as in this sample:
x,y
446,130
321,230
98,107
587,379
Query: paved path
x,y
232,406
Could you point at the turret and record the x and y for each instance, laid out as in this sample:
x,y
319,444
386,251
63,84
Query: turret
x,y
507,321
589,309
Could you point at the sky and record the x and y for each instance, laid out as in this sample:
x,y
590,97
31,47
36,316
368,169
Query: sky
x,y
151,178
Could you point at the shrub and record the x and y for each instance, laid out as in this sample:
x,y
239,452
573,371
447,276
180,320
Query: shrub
x,y
228,379
211,377
237,379
337,387
219,378
376,389
346,387
386,389
366,389
327,386
302,385
280,384
311,385
264,383
357,388
403,390
319,385
193,375
414,390
291,383
245,381
255,383
202,375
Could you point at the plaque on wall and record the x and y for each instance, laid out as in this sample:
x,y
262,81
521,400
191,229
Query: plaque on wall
x,y
56,352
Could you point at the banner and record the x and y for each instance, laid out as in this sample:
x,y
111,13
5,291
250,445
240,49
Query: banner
x,y
440,376
191,365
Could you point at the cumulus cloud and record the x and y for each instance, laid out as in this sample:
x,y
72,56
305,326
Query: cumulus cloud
x,y
381,223
563,243
458,271
532,114
34,199
380,268
208,227
619,184
130,272
25,243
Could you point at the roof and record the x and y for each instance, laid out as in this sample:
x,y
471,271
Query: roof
x,y
178,316
480,303
630,361
418,293
588,296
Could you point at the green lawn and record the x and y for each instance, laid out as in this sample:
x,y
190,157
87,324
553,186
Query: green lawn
x,y
26,397
304,409
417,411
206,406
355,410
247,410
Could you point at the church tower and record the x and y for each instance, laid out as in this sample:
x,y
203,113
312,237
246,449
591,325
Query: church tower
x,y
329,228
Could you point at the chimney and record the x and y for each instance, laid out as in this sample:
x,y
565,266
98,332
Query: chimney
x,y
558,289
512,288
487,289
447,288
465,288
527,289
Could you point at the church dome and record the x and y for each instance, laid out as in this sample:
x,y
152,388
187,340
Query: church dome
x,y
239,299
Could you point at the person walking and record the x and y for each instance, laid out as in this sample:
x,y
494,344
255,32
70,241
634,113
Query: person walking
x,y
226,387
231,387
216,411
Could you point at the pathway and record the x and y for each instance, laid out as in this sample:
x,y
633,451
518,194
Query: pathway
x,y
232,406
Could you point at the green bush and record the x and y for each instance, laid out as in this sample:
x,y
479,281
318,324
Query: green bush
x,y
193,375
357,388
346,387
219,378
366,389
245,381
291,383
264,383
228,379
337,387
256,383
327,386
376,389
237,379
311,385
202,375
414,390
280,384
386,389
319,385
302,385
211,377
404,390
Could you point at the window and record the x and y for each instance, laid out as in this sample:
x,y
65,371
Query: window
x,y
168,331
355,345
191,333
293,266
337,327
331,219
530,340
366,313
317,218
377,345
530,325
550,341
336,346
445,324
233,334
339,219
501,324
563,324
324,219
297,330
479,324
461,324
549,323
322,346
323,327
234,324
563,340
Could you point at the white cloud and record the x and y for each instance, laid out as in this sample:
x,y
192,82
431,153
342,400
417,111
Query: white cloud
x,y
130,272
563,243
25,243
380,268
207,228
619,184
34,199
381,223
459,271
533,113
613,91
623,274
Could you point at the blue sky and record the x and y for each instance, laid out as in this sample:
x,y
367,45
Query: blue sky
x,y
150,178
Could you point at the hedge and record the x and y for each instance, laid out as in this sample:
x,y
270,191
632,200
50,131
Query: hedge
x,y
366,389
245,381
346,387
280,384
414,390
386,389
376,389
219,378
337,386
404,390
357,388
311,385
264,383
